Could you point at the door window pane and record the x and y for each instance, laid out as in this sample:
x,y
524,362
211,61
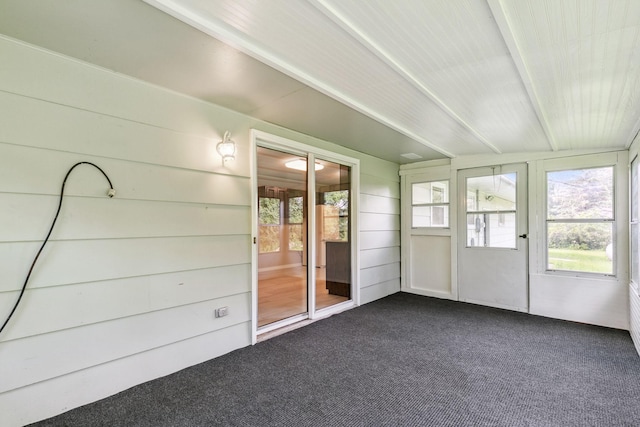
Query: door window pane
x,y
430,204
491,211
495,230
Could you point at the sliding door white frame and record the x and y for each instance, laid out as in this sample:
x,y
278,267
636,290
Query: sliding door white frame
x,y
266,140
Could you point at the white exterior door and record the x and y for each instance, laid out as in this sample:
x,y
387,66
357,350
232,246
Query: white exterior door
x,y
492,236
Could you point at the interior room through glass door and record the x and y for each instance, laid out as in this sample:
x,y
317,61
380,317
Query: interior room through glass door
x,y
293,281
333,225
282,236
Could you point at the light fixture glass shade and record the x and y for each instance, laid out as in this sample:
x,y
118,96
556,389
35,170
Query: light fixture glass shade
x,y
301,165
227,148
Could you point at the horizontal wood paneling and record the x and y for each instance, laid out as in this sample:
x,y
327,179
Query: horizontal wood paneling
x,y
61,307
377,186
27,217
379,222
379,239
105,136
379,290
52,397
379,274
379,204
374,257
70,350
42,75
77,261
380,168
138,181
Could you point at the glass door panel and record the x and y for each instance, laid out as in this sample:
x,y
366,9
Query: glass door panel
x,y
282,235
333,225
491,211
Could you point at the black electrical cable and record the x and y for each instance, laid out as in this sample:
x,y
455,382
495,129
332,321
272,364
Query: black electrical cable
x,y
110,193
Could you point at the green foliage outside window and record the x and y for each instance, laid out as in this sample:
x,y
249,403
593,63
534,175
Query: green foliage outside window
x,y
338,225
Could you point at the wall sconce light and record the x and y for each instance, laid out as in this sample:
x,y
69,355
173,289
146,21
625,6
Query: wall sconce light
x,y
226,148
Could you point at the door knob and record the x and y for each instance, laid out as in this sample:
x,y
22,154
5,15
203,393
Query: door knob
x,y
523,236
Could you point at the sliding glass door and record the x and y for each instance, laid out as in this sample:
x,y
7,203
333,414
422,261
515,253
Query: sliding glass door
x,y
333,272
304,242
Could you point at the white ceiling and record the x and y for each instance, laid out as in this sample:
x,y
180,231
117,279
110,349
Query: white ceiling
x,y
439,78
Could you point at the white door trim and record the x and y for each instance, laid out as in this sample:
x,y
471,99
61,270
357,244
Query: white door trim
x,y
267,140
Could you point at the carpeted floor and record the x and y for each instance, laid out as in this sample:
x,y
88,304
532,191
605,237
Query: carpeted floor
x,y
404,360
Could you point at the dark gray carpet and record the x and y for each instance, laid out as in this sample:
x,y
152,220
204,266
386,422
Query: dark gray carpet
x,y
404,360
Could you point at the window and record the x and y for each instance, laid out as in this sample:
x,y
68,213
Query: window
x,y
336,219
269,228
580,220
491,211
296,217
430,204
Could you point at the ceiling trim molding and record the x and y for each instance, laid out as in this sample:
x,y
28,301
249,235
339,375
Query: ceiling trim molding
x,y
360,36
236,39
512,44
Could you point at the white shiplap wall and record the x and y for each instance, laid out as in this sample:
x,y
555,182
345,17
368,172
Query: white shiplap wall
x,y
379,230
126,288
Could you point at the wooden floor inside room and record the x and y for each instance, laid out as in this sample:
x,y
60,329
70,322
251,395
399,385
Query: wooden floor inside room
x,y
282,293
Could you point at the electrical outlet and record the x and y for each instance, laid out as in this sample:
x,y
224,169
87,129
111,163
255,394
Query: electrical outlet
x,y
222,311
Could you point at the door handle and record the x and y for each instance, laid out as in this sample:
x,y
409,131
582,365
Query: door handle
x,y
523,236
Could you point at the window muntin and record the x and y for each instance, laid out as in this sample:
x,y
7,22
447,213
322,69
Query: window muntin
x,y
430,204
580,220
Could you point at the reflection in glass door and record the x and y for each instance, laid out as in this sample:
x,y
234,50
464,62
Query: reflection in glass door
x,y
333,192
286,267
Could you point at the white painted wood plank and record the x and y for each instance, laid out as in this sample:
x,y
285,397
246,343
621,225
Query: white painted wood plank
x,y
379,239
61,307
83,347
379,274
375,257
377,186
78,261
32,170
379,290
41,74
380,168
378,204
35,123
27,217
379,222
85,386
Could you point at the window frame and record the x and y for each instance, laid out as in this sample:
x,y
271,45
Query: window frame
x,y
612,221
445,206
